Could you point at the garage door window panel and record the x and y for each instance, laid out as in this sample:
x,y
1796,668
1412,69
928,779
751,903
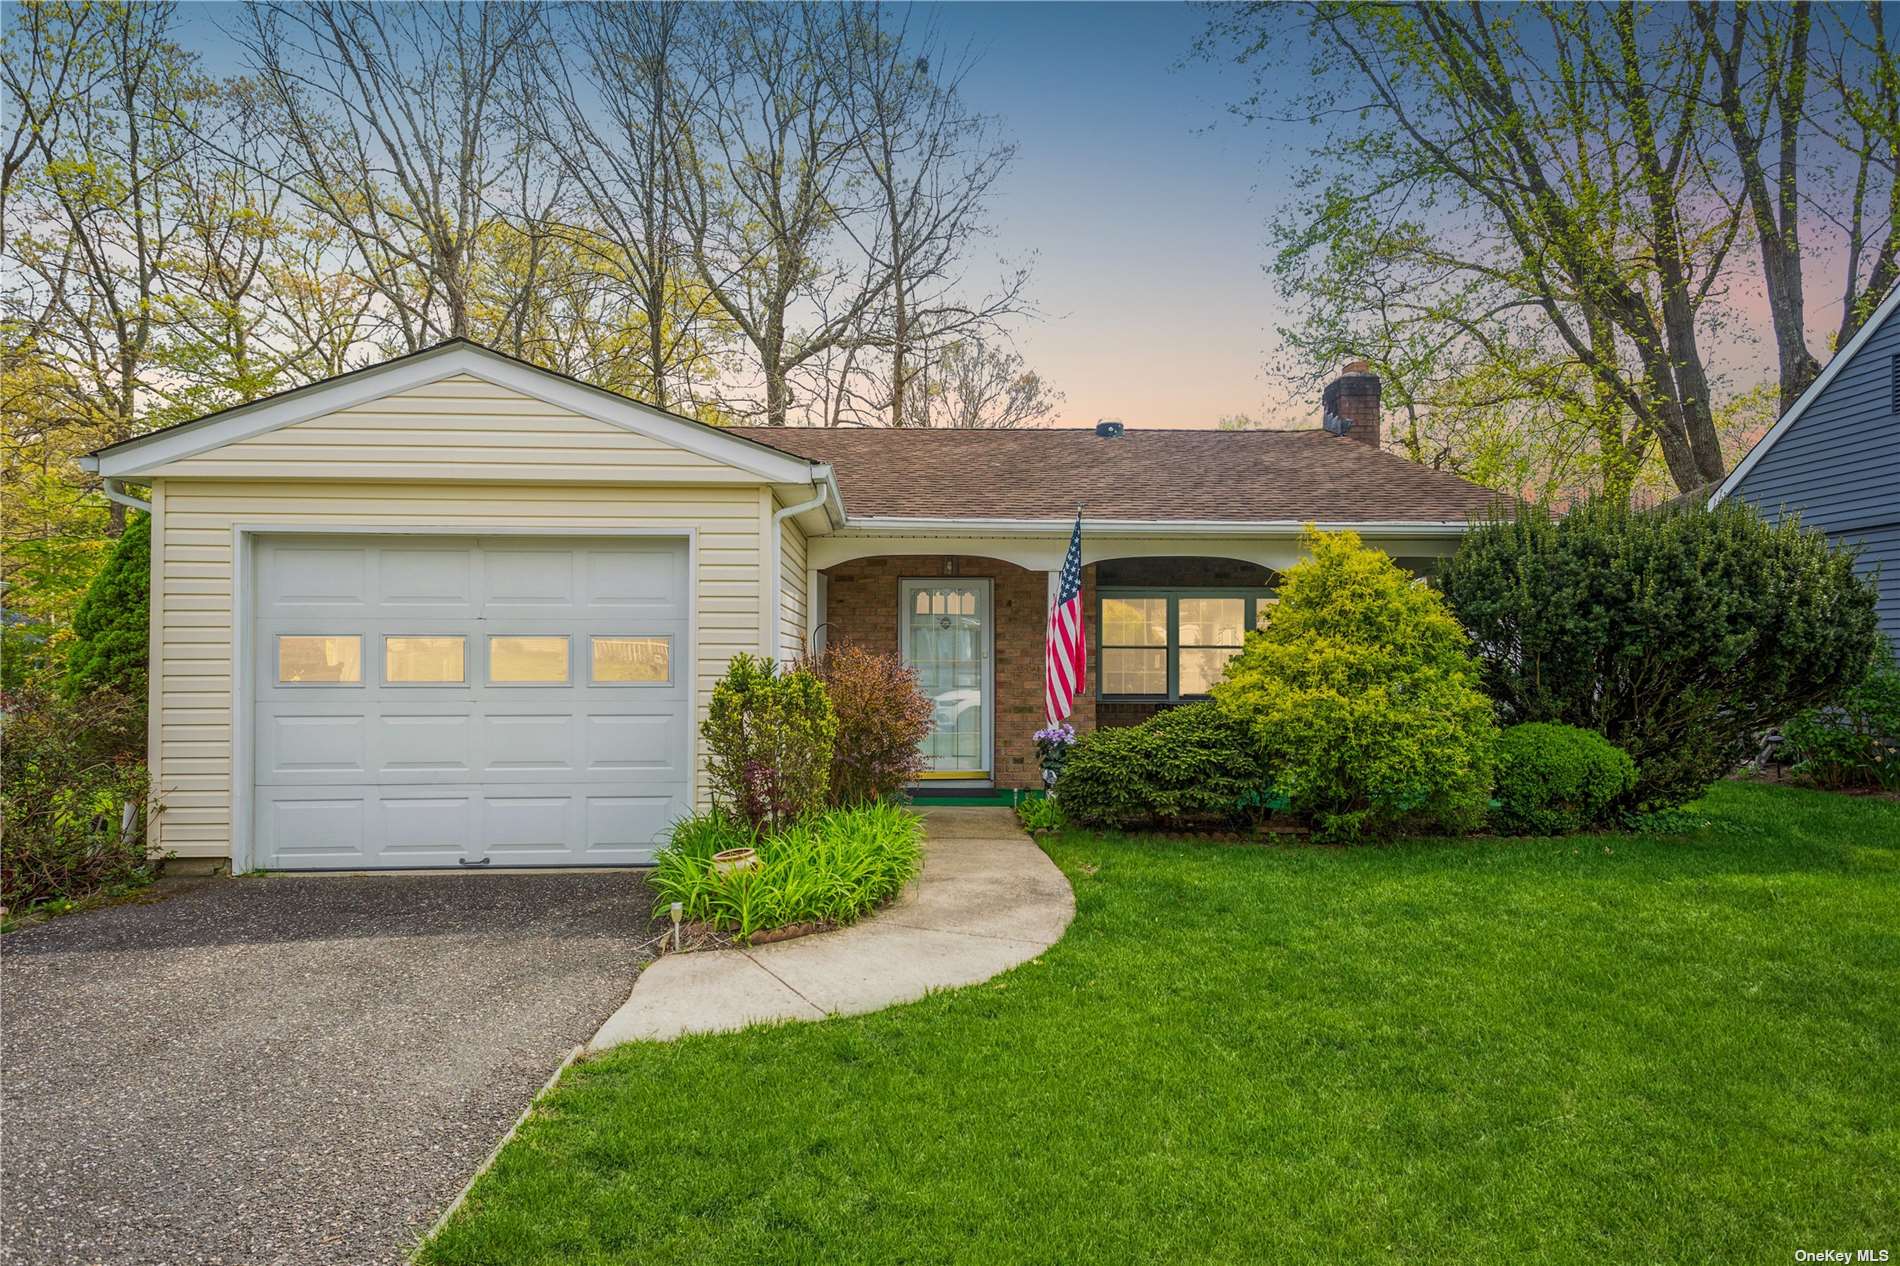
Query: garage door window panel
x,y
319,659
617,660
528,660
425,660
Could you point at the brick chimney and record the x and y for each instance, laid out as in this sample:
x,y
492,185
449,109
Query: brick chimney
x,y
1350,404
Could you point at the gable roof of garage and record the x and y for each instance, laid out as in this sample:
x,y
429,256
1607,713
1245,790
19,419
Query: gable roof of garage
x,y
456,357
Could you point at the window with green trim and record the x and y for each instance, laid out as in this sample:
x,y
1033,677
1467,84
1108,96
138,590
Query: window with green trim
x,y
1171,643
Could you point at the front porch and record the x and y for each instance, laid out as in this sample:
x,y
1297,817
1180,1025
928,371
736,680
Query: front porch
x,y
1159,629
1161,624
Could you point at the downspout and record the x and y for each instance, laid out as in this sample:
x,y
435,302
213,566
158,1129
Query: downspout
x,y
114,491
777,642
113,488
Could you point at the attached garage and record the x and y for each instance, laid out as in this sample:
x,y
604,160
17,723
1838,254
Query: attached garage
x,y
440,701
452,611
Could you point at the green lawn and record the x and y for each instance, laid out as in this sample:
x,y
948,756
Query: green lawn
x,y
1596,1049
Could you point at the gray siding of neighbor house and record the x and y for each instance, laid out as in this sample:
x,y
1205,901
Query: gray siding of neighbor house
x,y
1838,465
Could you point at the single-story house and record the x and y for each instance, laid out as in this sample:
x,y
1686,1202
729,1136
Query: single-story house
x,y
1834,457
457,610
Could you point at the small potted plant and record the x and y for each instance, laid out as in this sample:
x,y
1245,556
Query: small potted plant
x,y
1052,750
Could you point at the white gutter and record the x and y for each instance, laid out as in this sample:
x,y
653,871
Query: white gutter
x,y
1147,527
112,487
825,487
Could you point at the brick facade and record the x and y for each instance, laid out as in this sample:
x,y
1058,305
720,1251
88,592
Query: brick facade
x,y
862,608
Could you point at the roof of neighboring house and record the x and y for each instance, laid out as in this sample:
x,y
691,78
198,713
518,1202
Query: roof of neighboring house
x,y
1161,475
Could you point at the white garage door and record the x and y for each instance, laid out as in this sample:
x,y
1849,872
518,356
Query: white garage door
x,y
461,702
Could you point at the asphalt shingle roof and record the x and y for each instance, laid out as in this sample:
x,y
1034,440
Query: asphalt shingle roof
x,y
1272,476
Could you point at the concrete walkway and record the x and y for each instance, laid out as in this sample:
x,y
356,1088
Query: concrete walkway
x,y
987,900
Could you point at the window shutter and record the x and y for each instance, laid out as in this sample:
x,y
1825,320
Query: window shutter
x,y
1896,383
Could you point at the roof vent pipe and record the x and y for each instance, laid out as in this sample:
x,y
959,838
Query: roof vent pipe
x,y
1109,428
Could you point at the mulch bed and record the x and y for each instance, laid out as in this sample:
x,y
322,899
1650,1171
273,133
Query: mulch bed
x,y
696,936
1778,776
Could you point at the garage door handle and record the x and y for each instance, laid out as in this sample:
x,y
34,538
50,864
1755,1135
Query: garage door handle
x,y
467,862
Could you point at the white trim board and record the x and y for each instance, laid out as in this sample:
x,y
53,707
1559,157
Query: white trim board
x,y
146,453
1838,362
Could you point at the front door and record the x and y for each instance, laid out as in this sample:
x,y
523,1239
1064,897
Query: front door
x,y
944,628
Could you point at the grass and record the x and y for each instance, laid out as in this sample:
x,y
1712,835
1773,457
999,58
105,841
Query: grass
x,y
1592,1049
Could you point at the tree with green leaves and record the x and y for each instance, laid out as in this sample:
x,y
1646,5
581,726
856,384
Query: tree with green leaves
x,y
1363,697
112,627
1536,215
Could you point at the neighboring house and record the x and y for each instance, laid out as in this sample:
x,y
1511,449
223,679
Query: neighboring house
x,y
457,610
1834,457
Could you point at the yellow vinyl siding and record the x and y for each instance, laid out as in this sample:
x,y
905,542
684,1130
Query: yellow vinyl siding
x,y
193,610
458,428
791,607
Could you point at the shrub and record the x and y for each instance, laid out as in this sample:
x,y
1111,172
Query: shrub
x,y
112,626
1678,635
64,785
1855,742
832,868
1039,813
1363,699
1189,766
769,738
1555,779
883,720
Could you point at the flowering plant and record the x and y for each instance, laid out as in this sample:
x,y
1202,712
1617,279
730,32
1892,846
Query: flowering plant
x,y
1052,748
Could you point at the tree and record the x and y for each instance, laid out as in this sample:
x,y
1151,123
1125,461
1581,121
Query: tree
x,y
54,528
615,111
112,627
1862,70
396,123
1767,66
96,220
764,184
1362,694
976,385
1538,208
1679,635
931,164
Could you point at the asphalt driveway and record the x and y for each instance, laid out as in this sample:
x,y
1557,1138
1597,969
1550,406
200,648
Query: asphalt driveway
x,y
288,1069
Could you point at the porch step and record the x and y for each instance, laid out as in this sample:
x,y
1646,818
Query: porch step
x,y
968,796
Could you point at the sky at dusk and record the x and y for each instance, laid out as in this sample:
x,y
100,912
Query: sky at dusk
x,y
1139,202
1143,203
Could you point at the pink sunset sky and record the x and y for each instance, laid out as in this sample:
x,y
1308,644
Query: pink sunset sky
x,y
1143,205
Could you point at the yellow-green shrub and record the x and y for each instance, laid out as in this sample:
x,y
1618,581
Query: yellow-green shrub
x,y
1364,699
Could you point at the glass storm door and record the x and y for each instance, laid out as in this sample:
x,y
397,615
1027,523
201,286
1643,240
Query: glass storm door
x,y
945,632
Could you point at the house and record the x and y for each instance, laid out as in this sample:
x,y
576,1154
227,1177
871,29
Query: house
x,y
1834,457
456,610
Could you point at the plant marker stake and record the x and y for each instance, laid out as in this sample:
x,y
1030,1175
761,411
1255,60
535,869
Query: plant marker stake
x,y
675,911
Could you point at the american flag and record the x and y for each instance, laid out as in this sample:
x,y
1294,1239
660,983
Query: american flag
x,y
1066,660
